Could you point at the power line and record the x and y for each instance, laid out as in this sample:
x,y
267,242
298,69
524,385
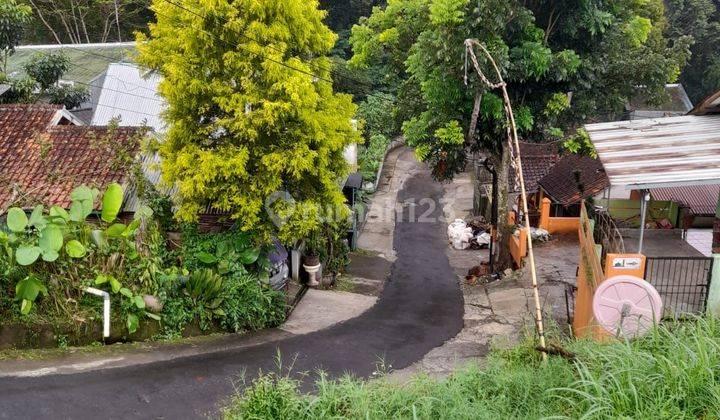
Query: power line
x,y
317,66
271,47
308,73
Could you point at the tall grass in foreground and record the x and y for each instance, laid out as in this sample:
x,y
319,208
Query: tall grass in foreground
x,y
673,373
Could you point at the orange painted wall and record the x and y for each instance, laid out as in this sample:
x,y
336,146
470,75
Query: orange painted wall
x,y
556,224
611,271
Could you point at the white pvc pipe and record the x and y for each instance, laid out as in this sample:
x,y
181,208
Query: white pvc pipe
x,y
106,308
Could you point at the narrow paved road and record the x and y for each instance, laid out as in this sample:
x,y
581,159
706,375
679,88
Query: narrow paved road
x,y
420,308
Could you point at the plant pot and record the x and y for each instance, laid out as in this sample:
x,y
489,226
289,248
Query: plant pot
x,y
311,260
312,271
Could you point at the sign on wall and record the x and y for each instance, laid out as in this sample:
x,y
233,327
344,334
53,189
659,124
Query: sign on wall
x,y
626,263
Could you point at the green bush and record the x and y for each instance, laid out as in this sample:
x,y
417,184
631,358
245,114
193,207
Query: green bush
x,y
377,114
674,373
371,156
251,305
48,259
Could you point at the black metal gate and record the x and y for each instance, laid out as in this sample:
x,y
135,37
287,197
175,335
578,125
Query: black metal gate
x,y
683,283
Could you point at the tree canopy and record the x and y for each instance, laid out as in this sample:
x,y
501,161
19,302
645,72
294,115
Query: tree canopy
x,y
565,62
251,110
699,19
13,18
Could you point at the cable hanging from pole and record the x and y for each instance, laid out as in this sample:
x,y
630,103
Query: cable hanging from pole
x,y
514,148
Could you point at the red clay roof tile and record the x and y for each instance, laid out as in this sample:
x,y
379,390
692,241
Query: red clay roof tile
x,y
42,163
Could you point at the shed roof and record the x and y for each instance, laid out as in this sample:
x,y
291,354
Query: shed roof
x,y
659,152
709,105
130,94
701,200
677,103
561,183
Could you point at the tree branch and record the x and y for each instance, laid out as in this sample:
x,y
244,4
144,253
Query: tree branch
x,y
45,22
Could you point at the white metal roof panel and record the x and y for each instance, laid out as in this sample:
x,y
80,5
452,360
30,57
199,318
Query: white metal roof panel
x,y
659,152
130,94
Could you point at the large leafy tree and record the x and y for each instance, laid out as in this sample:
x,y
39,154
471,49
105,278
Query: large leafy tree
x,y
565,62
251,110
13,18
699,19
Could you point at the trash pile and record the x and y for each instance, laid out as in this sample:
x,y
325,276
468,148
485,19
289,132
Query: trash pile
x,y
539,235
474,234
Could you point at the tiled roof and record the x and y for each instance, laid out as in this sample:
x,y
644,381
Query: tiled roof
x,y
561,183
41,164
699,199
537,160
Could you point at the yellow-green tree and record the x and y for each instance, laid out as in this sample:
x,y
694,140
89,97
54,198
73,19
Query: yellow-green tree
x,y
251,110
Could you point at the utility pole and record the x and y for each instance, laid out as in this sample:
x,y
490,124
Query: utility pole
x,y
514,145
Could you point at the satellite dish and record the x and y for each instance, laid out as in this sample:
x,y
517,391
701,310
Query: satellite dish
x,y
627,306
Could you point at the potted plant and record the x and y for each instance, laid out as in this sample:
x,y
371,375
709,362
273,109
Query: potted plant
x,y
311,259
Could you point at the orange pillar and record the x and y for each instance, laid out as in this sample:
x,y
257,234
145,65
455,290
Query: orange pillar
x,y
545,214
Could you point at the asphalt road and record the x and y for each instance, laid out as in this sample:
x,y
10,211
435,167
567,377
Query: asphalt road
x,y
419,309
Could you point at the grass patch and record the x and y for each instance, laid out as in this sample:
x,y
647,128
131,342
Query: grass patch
x,y
670,374
344,283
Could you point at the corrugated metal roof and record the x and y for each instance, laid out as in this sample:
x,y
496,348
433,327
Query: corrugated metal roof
x,y
659,152
699,199
130,93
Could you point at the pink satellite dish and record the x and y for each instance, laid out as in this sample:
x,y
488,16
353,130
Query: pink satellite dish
x,y
627,306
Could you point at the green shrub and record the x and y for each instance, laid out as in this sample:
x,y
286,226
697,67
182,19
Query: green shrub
x,y
674,373
377,113
251,305
371,156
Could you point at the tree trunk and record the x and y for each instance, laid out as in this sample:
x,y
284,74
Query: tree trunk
x,y
117,20
503,259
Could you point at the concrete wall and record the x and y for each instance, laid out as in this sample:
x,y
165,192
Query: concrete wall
x,y
556,224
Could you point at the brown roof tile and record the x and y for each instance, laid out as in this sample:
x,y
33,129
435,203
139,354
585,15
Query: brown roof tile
x,y
40,163
537,160
561,184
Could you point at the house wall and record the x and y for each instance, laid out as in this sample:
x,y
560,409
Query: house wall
x,y
556,224
627,212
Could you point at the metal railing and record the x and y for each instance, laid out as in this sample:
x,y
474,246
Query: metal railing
x,y
682,282
607,234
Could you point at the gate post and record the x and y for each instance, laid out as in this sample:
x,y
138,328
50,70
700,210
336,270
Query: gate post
x,y
713,296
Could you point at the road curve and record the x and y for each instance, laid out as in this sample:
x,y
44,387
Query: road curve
x,y
420,308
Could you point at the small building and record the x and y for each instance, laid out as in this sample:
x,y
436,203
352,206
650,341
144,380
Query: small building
x,y
88,64
572,179
45,153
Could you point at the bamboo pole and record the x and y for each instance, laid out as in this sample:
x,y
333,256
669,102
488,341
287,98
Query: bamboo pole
x,y
514,144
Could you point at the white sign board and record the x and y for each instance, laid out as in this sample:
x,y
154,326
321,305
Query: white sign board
x,y
626,263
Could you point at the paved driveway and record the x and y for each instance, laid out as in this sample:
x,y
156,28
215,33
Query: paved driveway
x,y
420,308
